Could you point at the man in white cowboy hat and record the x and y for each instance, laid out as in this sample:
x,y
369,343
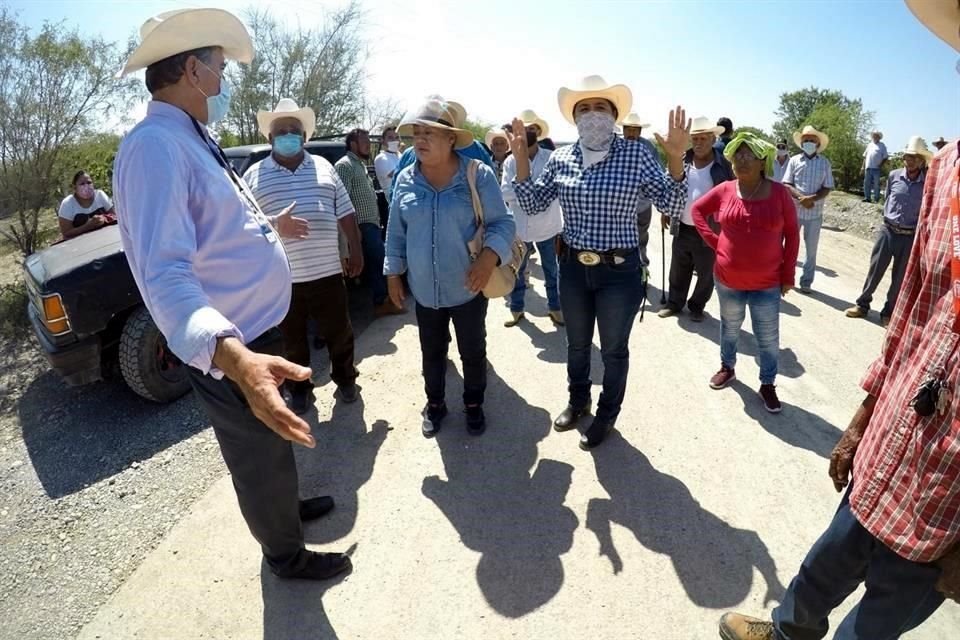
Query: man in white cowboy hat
x,y
897,530
289,174
496,141
901,212
633,127
875,156
706,167
538,231
809,178
214,274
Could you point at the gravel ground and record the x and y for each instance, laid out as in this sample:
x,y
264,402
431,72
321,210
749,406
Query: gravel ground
x,y
849,213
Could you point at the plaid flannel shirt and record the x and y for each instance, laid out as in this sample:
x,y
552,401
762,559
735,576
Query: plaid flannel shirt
x,y
600,203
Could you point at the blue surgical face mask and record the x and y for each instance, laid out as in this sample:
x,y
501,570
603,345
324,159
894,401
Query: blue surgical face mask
x,y
219,105
809,148
288,145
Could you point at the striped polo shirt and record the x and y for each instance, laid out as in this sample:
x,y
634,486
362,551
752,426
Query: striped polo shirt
x,y
321,200
809,175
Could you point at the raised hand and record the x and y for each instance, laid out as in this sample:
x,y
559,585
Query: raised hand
x,y
518,145
678,133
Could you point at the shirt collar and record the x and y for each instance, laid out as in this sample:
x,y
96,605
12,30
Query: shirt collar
x,y
354,157
461,175
921,177
170,113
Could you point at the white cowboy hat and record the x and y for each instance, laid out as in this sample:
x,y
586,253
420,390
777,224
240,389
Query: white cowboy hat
x,y
633,120
287,108
702,124
182,30
812,131
440,114
595,87
529,117
942,17
917,146
494,134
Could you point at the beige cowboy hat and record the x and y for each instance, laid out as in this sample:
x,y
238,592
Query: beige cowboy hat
x,y
702,124
287,108
182,30
812,131
493,134
633,120
529,117
942,17
595,87
440,114
917,146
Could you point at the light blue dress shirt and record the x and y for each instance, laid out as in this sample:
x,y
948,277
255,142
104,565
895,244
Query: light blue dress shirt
x,y
202,262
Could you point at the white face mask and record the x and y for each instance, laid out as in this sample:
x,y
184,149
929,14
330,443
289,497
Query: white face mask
x,y
393,146
809,148
781,153
596,129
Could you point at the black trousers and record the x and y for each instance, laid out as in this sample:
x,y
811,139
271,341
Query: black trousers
x,y
260,462
690,253
469,321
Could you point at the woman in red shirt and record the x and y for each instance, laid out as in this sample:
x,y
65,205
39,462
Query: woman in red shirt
x,y
756,246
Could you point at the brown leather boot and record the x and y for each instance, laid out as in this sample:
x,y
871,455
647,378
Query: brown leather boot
x,y
735,626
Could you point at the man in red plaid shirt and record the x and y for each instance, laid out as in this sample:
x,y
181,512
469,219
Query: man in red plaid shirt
x,y
898,526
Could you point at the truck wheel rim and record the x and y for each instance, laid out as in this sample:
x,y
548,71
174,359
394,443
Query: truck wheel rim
x,y
168,365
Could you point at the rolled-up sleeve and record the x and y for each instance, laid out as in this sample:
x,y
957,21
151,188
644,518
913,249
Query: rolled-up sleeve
x,y
656,185
159,237
536,196
500,227
395,249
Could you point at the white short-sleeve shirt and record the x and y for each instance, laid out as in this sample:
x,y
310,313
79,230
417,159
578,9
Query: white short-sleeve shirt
x,y
70,208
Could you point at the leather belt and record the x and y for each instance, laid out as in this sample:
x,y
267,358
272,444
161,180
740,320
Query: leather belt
x,y
900,231
593,258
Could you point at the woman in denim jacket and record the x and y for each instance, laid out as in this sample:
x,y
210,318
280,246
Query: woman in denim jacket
x,y
431,221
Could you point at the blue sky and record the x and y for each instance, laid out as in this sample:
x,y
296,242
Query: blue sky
x,y
716,58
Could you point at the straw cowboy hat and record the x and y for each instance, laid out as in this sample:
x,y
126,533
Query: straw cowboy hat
x,y
633,120
917,146
701,124
287,108
529,117
493,134
942,17
182,30
440,114
595,87
812,131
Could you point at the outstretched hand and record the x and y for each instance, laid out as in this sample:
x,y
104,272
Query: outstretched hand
x,y
678,133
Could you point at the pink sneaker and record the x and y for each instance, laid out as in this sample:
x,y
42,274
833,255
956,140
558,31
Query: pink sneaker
x,y
722,378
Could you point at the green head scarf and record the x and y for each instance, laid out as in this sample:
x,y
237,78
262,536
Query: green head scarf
x,y
760,147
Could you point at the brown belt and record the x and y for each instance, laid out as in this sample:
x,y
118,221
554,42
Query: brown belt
x,y
900,231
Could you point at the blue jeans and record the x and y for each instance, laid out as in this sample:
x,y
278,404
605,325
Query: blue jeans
x,y
548,259
900,594
871,184
810,230
609,296
372,241
764,314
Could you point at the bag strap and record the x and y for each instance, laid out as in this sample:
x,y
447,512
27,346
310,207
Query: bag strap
x,y
472,167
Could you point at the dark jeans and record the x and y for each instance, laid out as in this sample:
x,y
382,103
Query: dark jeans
x,y
324,301
690,252
889,246
607,296
470,323
372,239
260,462
900,594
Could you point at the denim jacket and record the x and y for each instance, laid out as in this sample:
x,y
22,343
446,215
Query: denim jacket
x,y
428,231
721,171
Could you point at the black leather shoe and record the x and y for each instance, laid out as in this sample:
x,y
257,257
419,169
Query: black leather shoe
x,y
569,418
349,393
313,508
595,434
476,421
432,418
319,566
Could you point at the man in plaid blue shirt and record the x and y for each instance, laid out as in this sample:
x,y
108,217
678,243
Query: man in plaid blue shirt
x,y
599,181
809,178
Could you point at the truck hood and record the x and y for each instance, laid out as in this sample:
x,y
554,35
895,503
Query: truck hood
x,y
64,257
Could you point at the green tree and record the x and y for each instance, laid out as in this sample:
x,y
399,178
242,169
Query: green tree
x,y
478,128
755,131
94,154
56,87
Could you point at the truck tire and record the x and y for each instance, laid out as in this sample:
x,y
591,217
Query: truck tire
x,y
147,365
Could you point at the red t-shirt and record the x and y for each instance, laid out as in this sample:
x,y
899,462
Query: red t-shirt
x,y
759,239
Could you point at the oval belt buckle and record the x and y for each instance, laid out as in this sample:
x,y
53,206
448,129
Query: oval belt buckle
x,y
588,258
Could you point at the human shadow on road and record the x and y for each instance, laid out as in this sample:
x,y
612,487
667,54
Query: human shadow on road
x,y
713,560
789,365
830,301
795,426
830,273
293,609
77,436
514,518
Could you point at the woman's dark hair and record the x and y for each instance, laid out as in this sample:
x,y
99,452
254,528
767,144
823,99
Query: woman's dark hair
x,y
77,176
167,72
